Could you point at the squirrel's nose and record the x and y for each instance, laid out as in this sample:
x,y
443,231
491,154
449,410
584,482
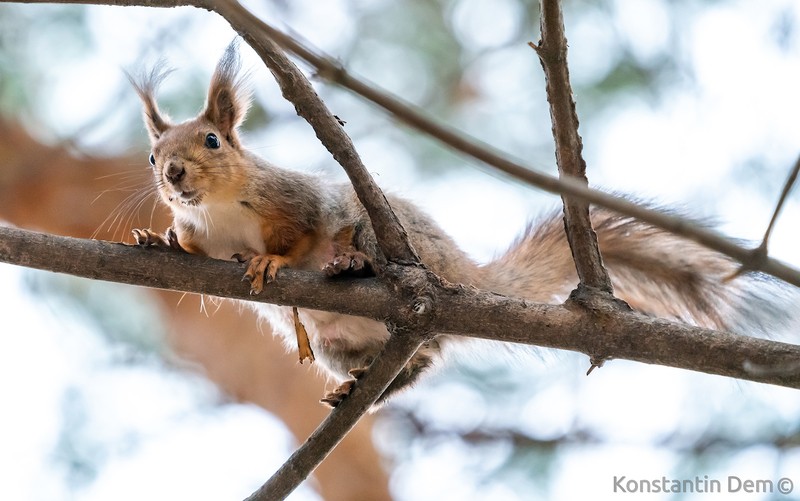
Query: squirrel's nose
x,y
174,173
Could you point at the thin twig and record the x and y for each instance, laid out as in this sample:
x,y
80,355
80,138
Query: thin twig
x,y
552,51
787,188
761,253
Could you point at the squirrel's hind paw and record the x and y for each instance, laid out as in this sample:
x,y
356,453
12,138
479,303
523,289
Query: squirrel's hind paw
x,y
334,398
352,263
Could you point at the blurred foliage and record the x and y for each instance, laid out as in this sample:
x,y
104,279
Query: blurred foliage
x,y
128,317
23,77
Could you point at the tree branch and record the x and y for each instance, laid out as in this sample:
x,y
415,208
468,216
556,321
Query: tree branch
x,y
761,253
460,310
399,348
391,236
552,51
414,117
787,188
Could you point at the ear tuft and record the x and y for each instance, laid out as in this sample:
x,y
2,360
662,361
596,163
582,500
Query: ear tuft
x,y
146,83
228,95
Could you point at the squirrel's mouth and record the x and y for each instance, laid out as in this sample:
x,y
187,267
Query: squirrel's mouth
x,y
189,197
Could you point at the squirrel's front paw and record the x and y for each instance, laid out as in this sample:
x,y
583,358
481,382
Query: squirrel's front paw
x,y
334,398
148,238
351,262
261,269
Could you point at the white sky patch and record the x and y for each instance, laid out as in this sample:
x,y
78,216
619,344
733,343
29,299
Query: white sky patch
x,y
653,400
30,420
482,25
645,25
596,55
233,458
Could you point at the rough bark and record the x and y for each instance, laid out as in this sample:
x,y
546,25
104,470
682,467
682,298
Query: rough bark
x,y
552,51
456,309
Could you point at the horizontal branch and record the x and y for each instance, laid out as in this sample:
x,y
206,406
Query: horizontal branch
x,y
601,333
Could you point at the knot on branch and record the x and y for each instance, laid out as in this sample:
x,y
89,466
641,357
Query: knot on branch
x,y
548,54
596,301
415,285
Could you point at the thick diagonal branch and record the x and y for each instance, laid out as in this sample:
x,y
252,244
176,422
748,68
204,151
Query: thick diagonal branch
x,y
399,348
391,236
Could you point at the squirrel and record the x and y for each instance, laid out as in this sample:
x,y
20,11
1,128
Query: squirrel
x,y
228,203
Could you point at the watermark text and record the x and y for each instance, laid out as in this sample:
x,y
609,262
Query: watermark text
x,y
731,484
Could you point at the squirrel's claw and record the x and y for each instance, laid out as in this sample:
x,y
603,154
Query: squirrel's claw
x,y
334,398
172,241
349,262
262,268
148,238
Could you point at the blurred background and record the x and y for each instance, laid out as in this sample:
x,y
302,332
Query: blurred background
x,y
115,392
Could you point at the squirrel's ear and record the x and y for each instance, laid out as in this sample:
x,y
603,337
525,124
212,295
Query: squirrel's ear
x,y
155,122
145,85
228,97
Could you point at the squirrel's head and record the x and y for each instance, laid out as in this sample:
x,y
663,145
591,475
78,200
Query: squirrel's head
x,y
199,160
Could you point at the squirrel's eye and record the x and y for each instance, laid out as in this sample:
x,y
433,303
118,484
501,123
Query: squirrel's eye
x,y
152,159
212,141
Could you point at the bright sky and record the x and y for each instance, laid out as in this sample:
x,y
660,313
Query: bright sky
x,y
164,433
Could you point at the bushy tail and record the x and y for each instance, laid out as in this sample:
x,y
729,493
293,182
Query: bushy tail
x,y
655,271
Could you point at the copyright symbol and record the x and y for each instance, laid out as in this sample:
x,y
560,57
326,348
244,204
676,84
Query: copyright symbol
x,y
785,485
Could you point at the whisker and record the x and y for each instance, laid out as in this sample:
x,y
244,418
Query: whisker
x,y
128,188
135,212
124,213
153,212
181,299
203,308
116,213
131,173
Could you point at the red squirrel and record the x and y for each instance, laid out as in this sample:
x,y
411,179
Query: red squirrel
x,y
228,203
